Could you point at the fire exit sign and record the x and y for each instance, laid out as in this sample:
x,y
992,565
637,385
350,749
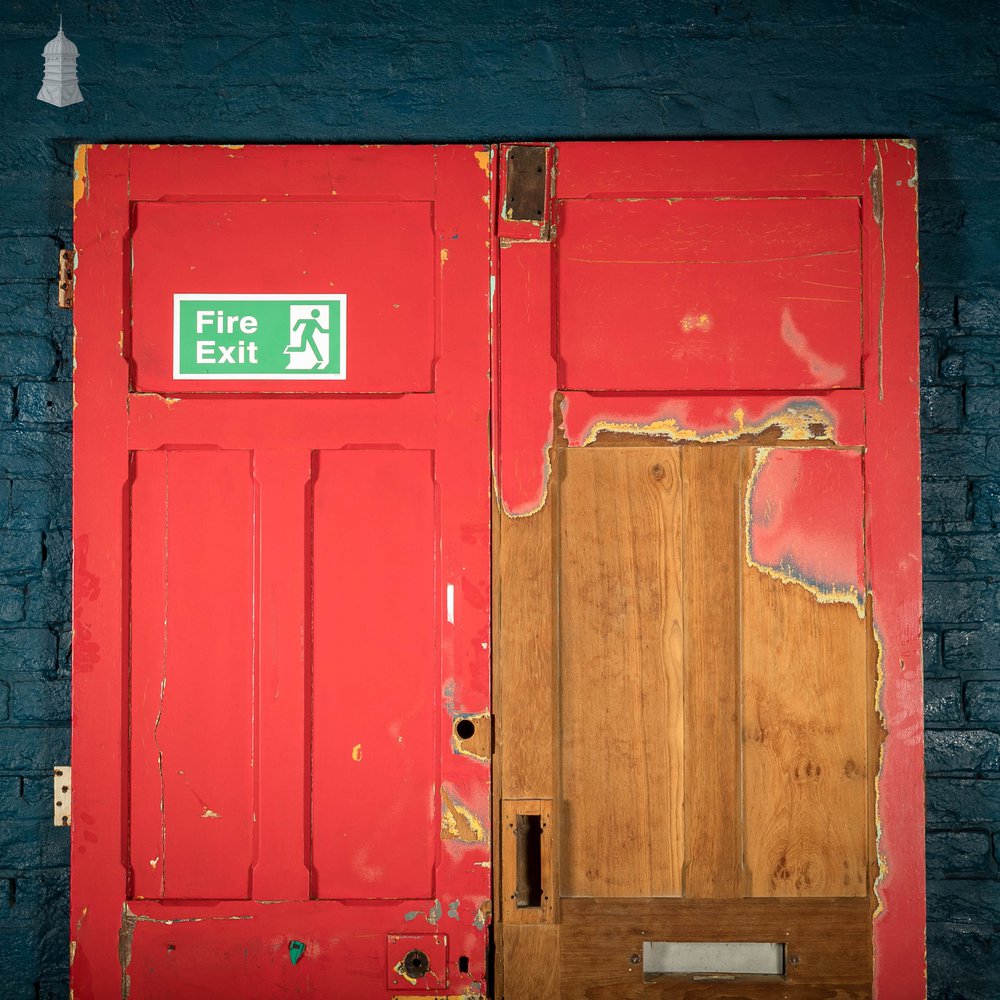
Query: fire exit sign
x,y
223,336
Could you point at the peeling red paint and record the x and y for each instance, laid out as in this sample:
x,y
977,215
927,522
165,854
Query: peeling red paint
x,y
835,416
892,504
805,515
526,424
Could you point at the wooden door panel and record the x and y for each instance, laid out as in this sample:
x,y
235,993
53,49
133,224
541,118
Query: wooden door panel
x,y
713,537
620,654
191,801
806,683
709,294
827,947
322,247
807,699
374,538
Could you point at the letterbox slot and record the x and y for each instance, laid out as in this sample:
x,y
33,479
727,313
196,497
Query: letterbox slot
x,y
712,958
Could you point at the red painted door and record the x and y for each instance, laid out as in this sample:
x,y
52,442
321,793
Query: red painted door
x,y
706,540
707,555
281,677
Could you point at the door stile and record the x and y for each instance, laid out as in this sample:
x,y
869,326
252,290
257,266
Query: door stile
x,y
100,632
462,428
893,552
526,693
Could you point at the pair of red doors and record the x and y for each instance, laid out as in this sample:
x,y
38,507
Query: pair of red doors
x,y
312,383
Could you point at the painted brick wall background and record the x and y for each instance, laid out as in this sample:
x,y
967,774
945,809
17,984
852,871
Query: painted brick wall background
x,y
390,70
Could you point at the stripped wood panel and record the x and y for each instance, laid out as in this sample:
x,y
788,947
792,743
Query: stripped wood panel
x,y
621,685
827,947
806,704
713,834
531,962
524,656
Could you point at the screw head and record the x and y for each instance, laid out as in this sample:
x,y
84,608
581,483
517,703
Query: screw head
x,y
633,959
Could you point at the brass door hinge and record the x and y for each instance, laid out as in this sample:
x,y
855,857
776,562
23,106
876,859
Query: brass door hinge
x,y
66,278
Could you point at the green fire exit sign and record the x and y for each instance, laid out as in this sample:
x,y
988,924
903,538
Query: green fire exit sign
x,y
222,336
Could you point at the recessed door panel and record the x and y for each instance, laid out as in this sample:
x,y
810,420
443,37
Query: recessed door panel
x,y
380,258
191,675
621,692
690,293
375,675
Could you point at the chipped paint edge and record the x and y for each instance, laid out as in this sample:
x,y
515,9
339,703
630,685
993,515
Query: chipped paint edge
x,y
794,420
81,184
881,859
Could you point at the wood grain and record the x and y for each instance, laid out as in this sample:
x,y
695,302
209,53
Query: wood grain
x,y
713,840
524,656
526,730
829,939
805,746
531,962
621,652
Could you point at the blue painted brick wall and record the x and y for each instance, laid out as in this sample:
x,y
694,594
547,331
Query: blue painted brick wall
x,y
402,70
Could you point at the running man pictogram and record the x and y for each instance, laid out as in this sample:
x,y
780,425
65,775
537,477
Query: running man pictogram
x,y
307,328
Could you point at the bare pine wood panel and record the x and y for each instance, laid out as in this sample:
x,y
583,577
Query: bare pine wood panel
x,y
621,683
531,962
806,701
713,865
524,656
828,947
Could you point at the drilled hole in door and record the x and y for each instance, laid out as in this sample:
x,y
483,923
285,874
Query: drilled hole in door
x,y
465,728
